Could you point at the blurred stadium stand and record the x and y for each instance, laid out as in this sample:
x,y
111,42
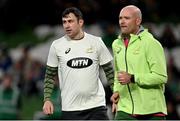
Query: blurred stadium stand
x,y
28,27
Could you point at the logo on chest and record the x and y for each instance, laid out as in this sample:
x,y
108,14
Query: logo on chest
x,y
68,50
80,62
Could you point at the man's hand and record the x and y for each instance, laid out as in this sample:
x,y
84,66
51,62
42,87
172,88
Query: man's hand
x,y
114,107
124,77
114,100
48,108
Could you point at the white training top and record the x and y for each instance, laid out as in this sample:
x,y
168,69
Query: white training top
x,y
78,62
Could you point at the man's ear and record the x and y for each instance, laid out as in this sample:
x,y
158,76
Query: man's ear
x,y
81,22
138,21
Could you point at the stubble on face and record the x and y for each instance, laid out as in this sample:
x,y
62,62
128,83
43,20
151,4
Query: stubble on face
x,y
129,20
71,25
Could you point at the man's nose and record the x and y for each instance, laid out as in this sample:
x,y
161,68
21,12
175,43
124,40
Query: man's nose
x,y
66,25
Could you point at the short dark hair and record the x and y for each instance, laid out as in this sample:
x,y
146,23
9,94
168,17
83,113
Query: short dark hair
x,y
73,10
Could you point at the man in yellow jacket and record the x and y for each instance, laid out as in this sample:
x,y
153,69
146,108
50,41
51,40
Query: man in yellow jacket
x,y
140,70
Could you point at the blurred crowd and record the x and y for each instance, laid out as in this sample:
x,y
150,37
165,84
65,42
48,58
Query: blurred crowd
x,y
22,69
18,78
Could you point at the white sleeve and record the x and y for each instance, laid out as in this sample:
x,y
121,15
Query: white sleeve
x,y
104,54
52,57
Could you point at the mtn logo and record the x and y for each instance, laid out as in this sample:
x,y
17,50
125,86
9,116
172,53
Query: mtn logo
x,y
80,62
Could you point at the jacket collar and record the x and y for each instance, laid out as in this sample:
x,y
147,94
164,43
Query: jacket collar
x,y
141,29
